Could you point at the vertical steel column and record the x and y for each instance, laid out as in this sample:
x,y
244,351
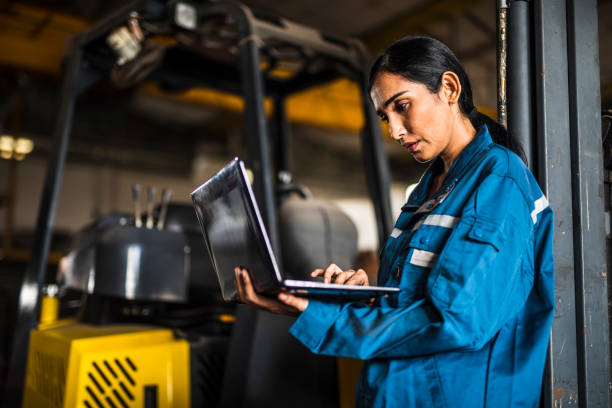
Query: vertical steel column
x,y
241,357
376,167
502,58
520,102
283,140
589,220
554,174
29,297
256,134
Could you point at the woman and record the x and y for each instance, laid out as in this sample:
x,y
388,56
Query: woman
x,y
471,252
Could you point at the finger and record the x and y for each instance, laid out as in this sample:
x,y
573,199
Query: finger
x,y
296,302
238,282
254,298
330,272
249,291
245,289
341,278
359,278
316,272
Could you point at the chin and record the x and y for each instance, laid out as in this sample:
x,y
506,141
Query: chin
x,y
421,158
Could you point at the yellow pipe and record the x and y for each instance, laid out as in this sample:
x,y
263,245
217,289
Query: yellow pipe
x,y
49,309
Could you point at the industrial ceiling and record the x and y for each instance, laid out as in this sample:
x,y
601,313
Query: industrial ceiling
x,y
34,35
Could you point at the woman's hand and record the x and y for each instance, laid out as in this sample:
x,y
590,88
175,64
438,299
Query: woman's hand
x,y
333,274
284,303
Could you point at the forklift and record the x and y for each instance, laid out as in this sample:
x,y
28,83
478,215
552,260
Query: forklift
x,y
553,105
154,331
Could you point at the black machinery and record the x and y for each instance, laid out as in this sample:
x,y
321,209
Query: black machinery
x,y
226,46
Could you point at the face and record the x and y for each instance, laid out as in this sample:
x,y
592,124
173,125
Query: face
x,y
418,119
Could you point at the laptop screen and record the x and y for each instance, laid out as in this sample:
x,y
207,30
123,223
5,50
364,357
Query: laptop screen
x,y
233,230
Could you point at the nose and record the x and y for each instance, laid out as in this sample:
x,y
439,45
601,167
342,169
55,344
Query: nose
x,y
396,128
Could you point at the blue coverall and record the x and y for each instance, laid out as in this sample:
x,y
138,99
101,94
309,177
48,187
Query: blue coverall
x,y
471,324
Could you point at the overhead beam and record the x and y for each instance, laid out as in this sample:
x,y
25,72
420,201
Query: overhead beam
x,y
35,39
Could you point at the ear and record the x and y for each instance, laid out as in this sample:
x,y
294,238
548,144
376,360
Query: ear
x,y
450,87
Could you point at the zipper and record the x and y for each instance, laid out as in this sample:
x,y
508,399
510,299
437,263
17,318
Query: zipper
x,y
398,270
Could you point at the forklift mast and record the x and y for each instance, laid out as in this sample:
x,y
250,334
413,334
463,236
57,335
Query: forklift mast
x,y
254,49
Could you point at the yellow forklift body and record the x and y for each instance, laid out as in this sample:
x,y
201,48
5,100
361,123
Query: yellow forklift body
x,y
115,366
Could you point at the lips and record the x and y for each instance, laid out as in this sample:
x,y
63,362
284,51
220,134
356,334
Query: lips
x,y
412,146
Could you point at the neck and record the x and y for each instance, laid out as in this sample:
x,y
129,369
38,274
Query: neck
x,y
462,134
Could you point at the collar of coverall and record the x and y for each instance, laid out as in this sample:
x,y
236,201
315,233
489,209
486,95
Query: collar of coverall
x,y
481,141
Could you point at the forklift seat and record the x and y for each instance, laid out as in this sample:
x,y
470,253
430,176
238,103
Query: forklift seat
x,y
314,234
266,367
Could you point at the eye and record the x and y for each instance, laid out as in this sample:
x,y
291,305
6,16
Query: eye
x,y
401,106
383,117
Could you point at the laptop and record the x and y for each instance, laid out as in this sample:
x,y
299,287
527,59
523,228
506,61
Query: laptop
x,y
236,236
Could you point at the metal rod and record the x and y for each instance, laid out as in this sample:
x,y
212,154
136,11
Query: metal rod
x,y
519,76
150,200
502,11
29,296
163,210
136,190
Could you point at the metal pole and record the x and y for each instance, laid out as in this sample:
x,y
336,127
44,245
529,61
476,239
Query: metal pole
x,y
10,198
377,168
240,358
554,175
29,296
589,220
283,139
502,57
257,134
520,105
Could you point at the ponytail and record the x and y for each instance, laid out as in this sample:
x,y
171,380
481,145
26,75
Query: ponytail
x,y
499,134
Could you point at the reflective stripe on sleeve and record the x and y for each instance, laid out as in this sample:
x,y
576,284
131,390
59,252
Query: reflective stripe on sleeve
x,y
440,220
539,205
396,232
423,258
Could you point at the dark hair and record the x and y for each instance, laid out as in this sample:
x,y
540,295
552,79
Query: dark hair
x,y
424,60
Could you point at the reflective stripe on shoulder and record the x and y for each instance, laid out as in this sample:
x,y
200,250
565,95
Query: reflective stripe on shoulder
x,y
439,220
539,205
396,232
423,258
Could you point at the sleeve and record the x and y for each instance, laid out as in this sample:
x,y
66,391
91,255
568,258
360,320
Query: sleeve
x,y
481,280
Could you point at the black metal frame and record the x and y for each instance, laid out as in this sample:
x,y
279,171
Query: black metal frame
x,y
567,157
520,88
85,68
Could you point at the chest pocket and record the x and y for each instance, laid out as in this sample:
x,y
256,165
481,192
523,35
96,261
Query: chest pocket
x,y
469,256
421,254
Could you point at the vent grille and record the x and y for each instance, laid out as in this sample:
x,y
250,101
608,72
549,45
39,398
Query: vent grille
x,y
208,377
111,383
48,375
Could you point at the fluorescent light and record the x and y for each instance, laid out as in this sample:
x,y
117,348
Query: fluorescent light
x,y
23,146
15,149
6,143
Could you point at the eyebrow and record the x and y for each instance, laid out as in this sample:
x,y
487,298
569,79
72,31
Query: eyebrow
x,y
388,101
379,112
